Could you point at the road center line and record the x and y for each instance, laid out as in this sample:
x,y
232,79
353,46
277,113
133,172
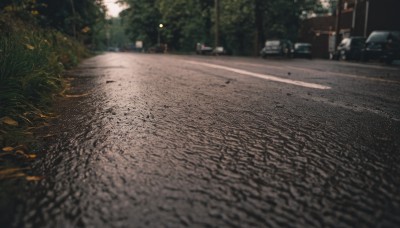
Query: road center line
x,y
263,76
347,75
326,72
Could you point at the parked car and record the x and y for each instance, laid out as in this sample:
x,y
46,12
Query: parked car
x,y
202,49
158,49
113,49
382,45
277,47
302,50
219,51
350,48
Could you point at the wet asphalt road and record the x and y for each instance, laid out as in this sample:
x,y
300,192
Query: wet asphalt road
x,y
172,141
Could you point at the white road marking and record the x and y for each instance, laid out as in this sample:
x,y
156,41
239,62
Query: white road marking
x,y
347,75
352,107
263,76
326,72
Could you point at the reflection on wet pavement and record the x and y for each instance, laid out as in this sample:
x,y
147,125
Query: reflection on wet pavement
x,y
159,144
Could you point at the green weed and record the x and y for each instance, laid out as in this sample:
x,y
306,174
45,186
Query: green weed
x,y
31,62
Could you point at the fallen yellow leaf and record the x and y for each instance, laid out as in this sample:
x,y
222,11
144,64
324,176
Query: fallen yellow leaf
x,y
47,136
6,172
30,47
32,156
8,149
7,120
43,116
86,29
17,175
76,95
12,173
33,178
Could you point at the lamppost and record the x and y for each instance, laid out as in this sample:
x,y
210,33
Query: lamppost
x,y
160,26
338,22
216,38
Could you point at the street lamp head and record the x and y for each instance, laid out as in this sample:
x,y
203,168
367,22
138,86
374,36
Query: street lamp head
x,y
161,25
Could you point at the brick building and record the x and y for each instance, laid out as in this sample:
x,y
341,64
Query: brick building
x,y
357,18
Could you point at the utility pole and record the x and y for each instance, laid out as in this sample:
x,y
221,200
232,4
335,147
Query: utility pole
x,y
338,22
160,26
74,18
258,33
216,38
366,18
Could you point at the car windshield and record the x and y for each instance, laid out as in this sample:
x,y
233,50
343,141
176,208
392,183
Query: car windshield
x,y
378,37
382,36
272,43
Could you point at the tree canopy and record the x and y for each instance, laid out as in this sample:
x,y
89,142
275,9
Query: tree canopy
x,y
242,29
243,26
78,18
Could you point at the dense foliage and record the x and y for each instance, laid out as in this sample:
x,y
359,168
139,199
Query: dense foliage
x,y
39,39
116,34
77,18
243,26
31,62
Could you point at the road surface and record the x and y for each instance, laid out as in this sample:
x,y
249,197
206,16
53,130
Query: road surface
x,y
173,141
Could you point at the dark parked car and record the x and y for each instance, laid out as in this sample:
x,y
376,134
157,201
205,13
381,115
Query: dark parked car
x,y
382,45
114,49
162,48
350,48
302,50
277,47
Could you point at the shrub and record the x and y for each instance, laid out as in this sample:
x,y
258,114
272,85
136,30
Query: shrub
x,y
31,62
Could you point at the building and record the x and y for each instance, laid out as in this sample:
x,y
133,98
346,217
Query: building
x,y
356,18
317,31
361,17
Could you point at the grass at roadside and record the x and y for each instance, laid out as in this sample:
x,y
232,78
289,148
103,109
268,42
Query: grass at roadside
x,y
31,62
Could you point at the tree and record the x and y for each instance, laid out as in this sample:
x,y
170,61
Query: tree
x,y
237,25
143,18
185,22
73,17
117,35
244,24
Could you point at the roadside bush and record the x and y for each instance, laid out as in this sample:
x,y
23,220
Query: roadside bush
x,y
31,62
